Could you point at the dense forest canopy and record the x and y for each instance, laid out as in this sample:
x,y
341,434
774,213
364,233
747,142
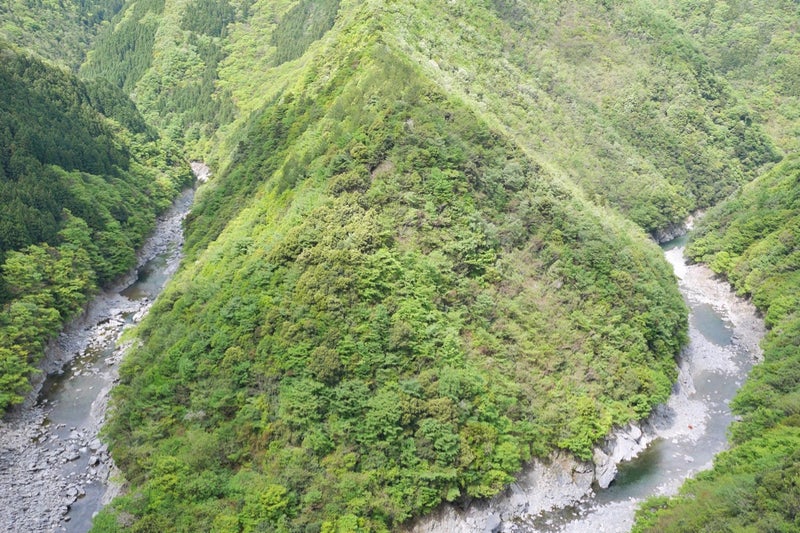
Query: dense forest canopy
x,y
613,94
400,315
59,30
421,261
753,44
80,190
656,133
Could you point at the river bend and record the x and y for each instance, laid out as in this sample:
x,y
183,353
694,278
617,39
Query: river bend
x,y
54,471
680,438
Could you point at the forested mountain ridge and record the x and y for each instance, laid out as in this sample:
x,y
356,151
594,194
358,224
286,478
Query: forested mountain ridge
x,y
410,273
387,304
211,58
79,190
615,96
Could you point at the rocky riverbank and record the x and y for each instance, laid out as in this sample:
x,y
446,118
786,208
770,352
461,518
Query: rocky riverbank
x,y
201,171
677,229
560,481
51,459
559,494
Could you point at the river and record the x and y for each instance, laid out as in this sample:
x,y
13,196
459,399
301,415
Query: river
x,y
678,440
724,336
54,470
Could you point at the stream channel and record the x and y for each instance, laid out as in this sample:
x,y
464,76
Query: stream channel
x,y
679,439
55,473
687,432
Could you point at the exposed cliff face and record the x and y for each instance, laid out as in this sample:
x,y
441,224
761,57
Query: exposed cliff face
x,y
622,445
559,481
563,481
670,232
678,229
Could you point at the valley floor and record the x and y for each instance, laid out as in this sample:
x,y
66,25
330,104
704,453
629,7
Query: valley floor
x,y
54,471
681,437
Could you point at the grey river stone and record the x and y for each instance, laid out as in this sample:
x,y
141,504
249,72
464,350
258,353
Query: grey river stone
x,y
653,457
54,470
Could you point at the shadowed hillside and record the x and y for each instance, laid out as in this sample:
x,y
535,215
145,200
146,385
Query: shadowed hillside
x,y
79,190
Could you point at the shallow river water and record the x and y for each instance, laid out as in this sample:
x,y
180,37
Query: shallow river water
x,y
724,332
54,471
558,494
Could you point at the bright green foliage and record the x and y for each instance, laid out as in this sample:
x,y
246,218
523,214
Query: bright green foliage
x,y
396,291
755,45
47,285
167,54
615,95
77,202
59,30
753,239
386,304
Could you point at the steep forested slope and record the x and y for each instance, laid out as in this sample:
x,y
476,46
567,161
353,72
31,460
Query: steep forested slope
x,y
409,275
753,239
166,55
60,31
614,95
755,45
79,191
387,304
